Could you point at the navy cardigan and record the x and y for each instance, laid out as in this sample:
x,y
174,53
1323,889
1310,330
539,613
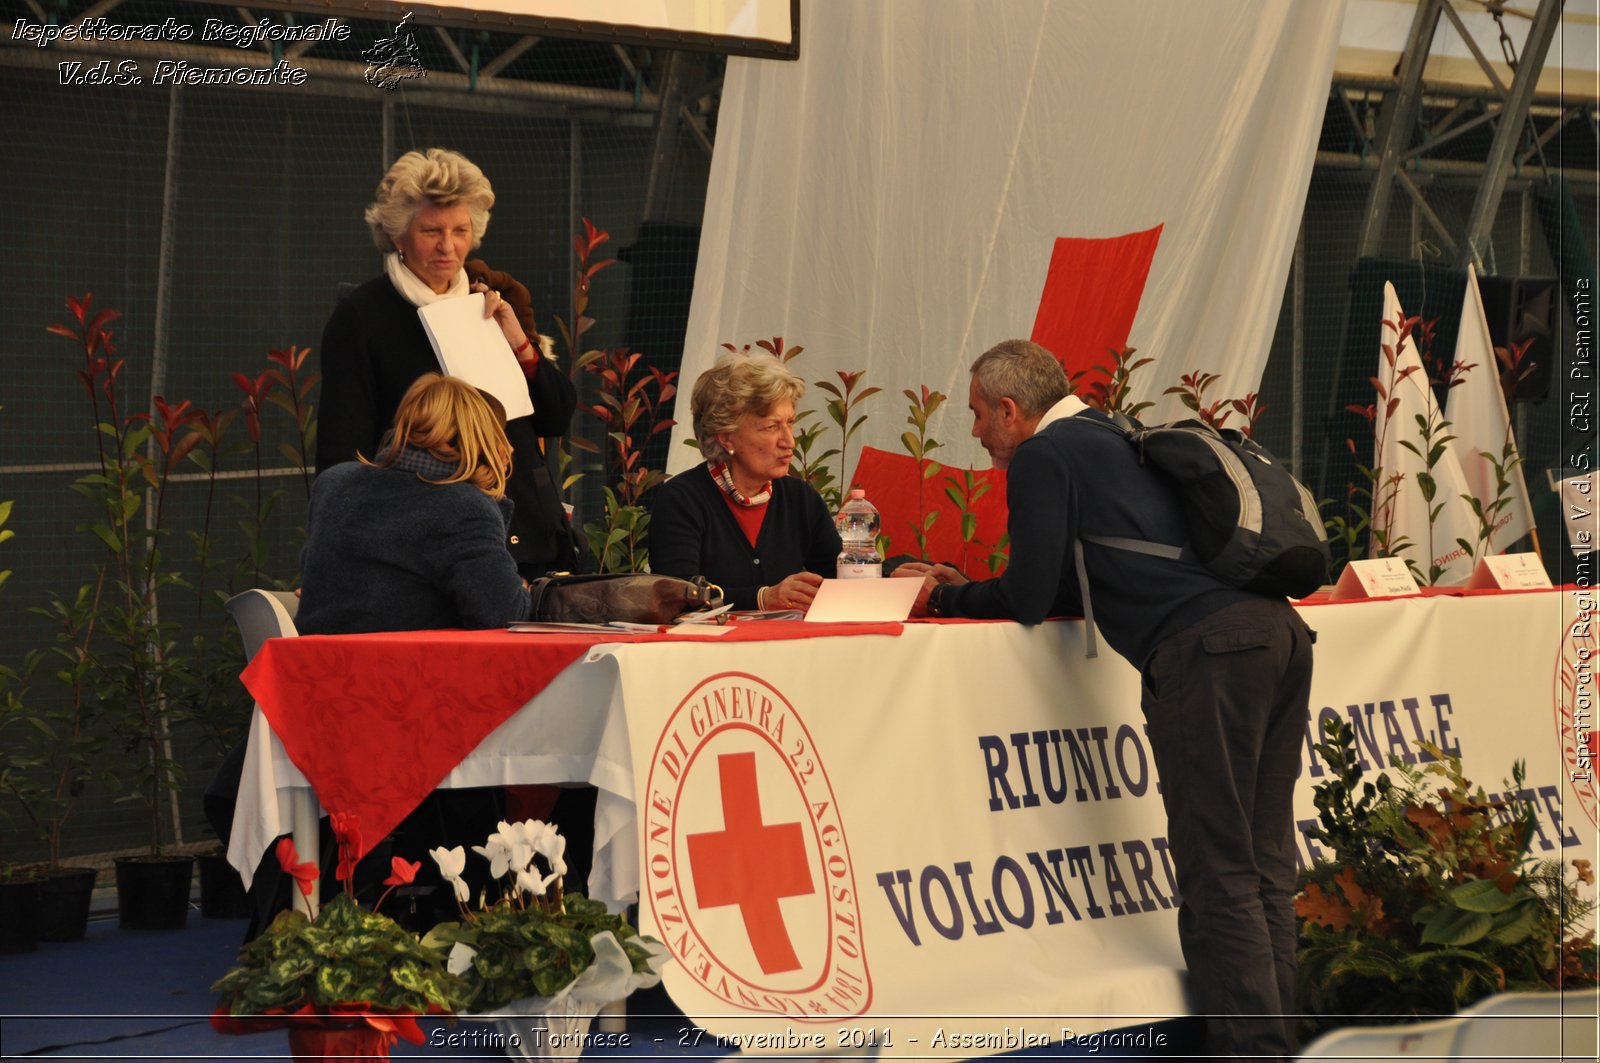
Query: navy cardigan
x,y
693,533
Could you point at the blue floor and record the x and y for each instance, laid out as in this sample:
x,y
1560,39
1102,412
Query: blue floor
x,y
123,994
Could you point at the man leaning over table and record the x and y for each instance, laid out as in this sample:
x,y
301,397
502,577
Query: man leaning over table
x,y
1225,677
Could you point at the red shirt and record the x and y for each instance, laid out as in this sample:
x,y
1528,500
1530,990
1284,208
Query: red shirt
x,y
749,517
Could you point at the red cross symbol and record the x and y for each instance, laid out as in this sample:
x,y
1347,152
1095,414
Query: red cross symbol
x,y
1091,295
751,864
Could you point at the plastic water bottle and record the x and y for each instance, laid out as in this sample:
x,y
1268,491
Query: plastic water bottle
x,y
858,528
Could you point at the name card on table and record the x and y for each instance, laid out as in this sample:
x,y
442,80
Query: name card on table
x,y
1376,577
1509,572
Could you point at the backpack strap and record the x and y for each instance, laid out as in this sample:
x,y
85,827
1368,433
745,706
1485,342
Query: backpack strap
x,y
1138,546
1128,429
1090,648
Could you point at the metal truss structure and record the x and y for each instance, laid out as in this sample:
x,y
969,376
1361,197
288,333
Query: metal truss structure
x,y
1422,130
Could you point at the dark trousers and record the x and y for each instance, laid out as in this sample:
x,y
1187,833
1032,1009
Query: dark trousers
x,y
1226,701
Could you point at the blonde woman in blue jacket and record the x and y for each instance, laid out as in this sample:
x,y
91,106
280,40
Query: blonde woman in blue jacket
x,y
414,538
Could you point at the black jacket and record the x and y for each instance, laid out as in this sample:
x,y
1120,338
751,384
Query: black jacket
x,y
373,349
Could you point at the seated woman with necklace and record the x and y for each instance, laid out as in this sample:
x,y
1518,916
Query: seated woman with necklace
x,y
739,519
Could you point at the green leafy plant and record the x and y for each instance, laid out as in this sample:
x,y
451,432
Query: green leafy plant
x,y
924,404
346,962
135,672
535,940
1191,389
14,711
1429,441
293,396
1515,368
1114,393
1370,505
963,488
1432,441
58,759
585,247
843,409
1429,900
632,411
256,391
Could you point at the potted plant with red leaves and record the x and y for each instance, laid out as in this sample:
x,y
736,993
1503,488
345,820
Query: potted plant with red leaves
x,y
53,759
19,888
347,982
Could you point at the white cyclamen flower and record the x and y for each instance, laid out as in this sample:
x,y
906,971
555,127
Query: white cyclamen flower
x,y
497,852
529,882
452,862
460,959
554,852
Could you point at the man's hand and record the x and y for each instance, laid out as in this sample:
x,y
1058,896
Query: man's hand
x,y
938,573
932,576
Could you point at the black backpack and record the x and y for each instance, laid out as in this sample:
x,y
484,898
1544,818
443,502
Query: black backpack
x,y
1250,522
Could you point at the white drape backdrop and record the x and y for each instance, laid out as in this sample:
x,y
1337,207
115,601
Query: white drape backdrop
x,y
891,200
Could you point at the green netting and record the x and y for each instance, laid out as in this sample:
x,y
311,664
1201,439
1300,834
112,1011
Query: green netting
x,y
221,222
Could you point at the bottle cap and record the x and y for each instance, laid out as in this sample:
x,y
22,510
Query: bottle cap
x,y
858,492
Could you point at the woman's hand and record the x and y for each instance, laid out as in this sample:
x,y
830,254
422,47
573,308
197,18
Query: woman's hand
x,y
496,306
794,592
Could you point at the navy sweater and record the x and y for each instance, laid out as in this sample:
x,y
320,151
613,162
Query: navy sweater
x,y
693,533
1078,478
387,552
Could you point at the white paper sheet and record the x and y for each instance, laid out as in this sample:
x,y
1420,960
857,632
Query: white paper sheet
x,y
472,347
874,600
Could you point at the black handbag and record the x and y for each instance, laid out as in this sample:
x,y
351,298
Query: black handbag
x,y
629,597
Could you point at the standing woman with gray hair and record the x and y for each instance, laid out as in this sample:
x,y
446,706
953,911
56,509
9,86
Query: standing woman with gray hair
x,y
430,210
739,519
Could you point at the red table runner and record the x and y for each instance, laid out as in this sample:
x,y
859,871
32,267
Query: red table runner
x,y
374,722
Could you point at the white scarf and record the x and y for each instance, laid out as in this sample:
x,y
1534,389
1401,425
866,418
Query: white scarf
x,y
411,286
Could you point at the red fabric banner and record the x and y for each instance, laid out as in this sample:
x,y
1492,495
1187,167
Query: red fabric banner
x,y
1090,297
905,498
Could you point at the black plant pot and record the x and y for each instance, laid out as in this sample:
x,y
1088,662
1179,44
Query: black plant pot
x,y
64,897
153,892
19,916
222,893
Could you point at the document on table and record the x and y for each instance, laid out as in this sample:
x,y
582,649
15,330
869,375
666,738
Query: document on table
x,y
472,347
872,600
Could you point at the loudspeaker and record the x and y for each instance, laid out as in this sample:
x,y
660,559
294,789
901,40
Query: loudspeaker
x,y
1522,310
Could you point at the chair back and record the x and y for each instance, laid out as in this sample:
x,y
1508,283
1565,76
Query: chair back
x,y
1433,1041
1533,1026
263,615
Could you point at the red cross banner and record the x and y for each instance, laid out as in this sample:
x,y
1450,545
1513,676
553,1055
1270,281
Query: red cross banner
x,y
933,176
951,842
